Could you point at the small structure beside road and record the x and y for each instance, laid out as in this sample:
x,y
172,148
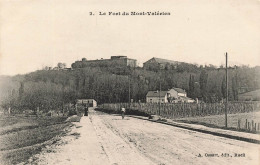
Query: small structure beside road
x,y
89,102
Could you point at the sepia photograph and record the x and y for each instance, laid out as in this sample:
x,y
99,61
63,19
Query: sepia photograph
x,y
134,82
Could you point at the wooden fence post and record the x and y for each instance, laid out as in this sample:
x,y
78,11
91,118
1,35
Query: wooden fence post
x,y
238,124
172,109
246,124
252,125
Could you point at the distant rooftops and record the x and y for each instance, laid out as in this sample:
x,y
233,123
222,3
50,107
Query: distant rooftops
x,y
163,93
160,60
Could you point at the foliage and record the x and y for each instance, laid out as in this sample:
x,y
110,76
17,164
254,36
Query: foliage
x,y
51,89
203,84
192,93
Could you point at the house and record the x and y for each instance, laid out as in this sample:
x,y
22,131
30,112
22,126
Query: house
x,y
173,95
157,96
89,102
250,96
121,61
158,63
180,92
180,95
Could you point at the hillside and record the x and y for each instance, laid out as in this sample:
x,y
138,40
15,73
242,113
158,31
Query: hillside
x,y
51,89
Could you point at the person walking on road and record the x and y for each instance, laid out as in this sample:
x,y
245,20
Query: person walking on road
x,y
86,110
123,112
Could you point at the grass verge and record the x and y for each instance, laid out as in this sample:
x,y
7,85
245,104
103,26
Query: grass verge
x,y
218,121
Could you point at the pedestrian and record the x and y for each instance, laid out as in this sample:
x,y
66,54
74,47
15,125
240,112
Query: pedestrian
x,y
123,112
86,110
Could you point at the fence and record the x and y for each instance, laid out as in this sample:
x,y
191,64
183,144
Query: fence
x,y
181,110
250,126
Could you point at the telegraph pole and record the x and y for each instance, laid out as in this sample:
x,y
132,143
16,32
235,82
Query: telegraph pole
x,y
226,108
160,98
129,94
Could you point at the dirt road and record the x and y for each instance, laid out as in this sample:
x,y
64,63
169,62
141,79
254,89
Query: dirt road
x,y
107,139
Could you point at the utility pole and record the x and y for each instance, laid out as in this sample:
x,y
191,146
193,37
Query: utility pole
x,y
129,94
160,98
226,108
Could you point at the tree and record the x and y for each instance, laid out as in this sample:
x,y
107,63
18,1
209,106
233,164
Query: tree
x,y
21,90
192,87
51,88
223,87
46,68
61,65
203,84
234,87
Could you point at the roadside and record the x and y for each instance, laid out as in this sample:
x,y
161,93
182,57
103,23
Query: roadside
x,y
107,139
243,122
242,136
204,124
95,144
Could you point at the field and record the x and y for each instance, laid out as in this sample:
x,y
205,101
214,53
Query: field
x,y
242,116
219,120
21,137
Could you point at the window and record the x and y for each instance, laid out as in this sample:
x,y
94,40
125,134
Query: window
x,y
151,100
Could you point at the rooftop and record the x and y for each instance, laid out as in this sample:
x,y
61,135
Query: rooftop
x,y
156,93
179,90
160,60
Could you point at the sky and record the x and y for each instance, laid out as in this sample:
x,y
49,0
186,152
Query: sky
x,y
38,33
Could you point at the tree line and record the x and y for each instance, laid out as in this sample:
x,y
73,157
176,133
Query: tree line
x,y
52,89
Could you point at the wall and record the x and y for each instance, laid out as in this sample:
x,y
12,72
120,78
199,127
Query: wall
x,y
94,103
107,63
173,93
182,94
90,102
131,63
156,99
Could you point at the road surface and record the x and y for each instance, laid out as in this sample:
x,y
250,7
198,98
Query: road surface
x,y
109,140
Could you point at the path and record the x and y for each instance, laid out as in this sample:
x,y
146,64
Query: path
x,y
107,139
